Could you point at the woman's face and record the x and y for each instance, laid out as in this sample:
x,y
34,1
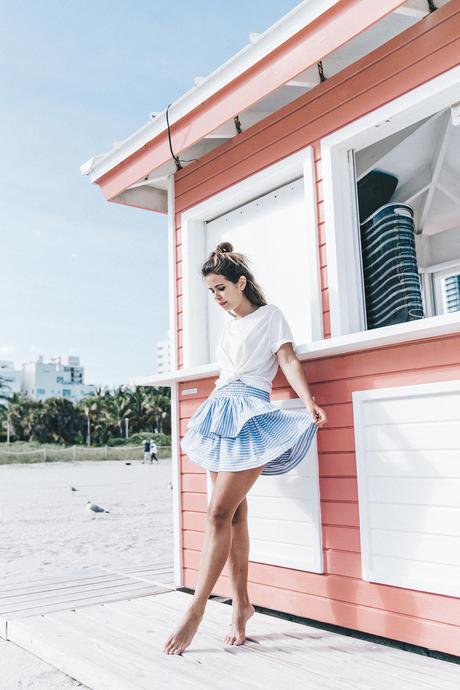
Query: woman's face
x,y
228,295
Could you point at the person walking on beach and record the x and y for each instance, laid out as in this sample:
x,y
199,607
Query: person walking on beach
x,y
146,451
237,434
153,452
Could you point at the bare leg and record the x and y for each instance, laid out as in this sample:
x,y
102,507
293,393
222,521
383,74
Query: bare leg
x,y
230,488
238,573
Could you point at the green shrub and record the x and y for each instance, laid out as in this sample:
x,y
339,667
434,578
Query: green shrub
x,y
114,442
139,438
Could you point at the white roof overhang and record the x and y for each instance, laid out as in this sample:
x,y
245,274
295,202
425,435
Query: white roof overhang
x,y
149,189
259,46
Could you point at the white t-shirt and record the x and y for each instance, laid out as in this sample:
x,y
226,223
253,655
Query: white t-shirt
x,y
247,346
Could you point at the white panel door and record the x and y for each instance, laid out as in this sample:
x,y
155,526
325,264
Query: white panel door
x,y
271,231
408,463
284,514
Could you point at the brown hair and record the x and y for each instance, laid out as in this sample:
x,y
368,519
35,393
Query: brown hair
x,y
232,265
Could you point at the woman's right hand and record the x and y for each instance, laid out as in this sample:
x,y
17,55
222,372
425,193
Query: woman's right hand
x,y
316,412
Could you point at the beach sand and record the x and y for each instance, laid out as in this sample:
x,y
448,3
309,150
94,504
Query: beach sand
x,y
46,530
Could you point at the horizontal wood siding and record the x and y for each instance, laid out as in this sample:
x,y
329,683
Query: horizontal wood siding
x,y
339,596
415,56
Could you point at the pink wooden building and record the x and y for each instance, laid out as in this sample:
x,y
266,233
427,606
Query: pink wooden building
x,y
295,141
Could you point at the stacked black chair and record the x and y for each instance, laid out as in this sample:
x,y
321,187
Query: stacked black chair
x,y
390,271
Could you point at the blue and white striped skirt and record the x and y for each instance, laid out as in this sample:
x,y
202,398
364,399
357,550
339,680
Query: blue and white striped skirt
x,y
238,428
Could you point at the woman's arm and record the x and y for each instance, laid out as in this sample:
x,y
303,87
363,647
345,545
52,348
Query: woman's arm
x,y
294,373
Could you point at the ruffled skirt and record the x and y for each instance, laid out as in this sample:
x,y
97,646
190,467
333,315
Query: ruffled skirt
x,y
238,428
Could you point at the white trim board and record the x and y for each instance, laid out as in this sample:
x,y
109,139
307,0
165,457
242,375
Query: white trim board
x,y
193,224
176,482
430,327
407,452
175,416
340,213
172,266
284,511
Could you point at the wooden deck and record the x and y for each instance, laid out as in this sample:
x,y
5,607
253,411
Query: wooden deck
x,y
106,629
80,588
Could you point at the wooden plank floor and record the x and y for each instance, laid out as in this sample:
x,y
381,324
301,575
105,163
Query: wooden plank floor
x,y
116,645
84,587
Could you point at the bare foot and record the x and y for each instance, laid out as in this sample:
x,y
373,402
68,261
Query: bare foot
x,y
184,633
241,615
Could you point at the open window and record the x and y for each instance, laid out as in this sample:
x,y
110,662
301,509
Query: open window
x,y
392,211
408,196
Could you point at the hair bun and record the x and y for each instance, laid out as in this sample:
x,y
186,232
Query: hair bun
x,y
224,247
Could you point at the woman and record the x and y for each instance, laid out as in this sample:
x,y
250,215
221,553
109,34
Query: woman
x,y
238,434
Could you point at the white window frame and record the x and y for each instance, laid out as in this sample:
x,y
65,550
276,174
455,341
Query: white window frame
x,y
341,222
437,273
193,221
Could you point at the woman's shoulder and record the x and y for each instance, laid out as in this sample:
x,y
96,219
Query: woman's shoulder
x,y
270,307
266,311
273,309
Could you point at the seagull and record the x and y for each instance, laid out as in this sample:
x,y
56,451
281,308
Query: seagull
x,y
72,488
95,508
169,485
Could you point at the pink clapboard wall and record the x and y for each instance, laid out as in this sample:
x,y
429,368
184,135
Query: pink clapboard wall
x,y
338,596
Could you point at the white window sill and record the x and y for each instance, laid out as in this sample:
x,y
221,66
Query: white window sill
x,y
429,327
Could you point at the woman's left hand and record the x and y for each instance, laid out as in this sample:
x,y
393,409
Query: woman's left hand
x,y
316,412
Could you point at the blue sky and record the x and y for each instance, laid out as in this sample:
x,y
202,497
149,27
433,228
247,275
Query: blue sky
x,y
79,275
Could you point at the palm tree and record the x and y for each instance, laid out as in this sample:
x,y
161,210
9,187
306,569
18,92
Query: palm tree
x,y
138,404
20,415
63,421
105,413
158,409
93,408
4,388
4,421
118,408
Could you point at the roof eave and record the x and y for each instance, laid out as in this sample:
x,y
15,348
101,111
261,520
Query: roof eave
x,y
196,115
302,15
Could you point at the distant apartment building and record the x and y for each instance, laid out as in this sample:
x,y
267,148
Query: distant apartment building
x,y
163,356
61,377
10,376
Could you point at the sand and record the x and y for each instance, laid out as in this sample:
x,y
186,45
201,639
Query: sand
x,y
46,531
